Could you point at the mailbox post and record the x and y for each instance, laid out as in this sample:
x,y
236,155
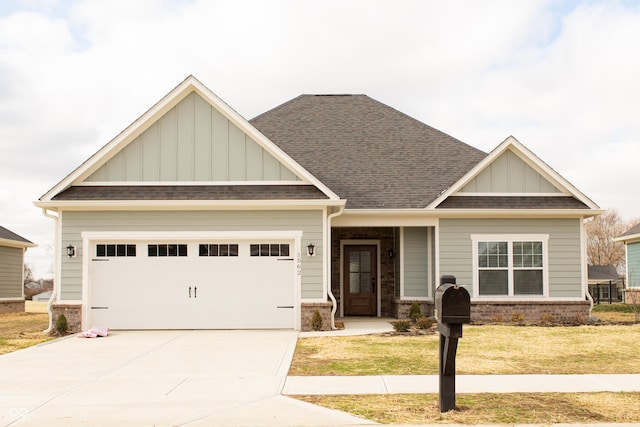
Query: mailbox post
x,y
452,309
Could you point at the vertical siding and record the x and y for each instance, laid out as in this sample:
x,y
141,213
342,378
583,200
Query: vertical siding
x,y
11,267
193,142
309,222
633,264
565,271
416,259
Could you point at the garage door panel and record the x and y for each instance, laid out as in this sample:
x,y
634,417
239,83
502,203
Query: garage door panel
x,y
193,291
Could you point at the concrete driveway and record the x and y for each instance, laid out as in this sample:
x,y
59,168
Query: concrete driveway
x,y
157,378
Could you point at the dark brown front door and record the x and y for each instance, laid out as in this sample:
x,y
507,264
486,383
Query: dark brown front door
x,y
359,285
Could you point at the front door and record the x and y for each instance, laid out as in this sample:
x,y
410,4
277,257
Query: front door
x,y
359,285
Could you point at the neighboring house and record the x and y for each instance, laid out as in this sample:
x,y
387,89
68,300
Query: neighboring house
x,y
42,296
631,241
12,249
194,217
605,284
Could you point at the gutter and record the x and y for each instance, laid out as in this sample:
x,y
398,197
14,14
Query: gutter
x,y
332,297
52,298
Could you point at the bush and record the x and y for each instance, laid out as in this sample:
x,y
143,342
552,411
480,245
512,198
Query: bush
x,y
61,327
316,321
424,322
548,318
401,325
414,312
517,318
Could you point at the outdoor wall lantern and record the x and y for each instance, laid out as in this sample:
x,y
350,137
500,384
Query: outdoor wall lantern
x,y
71,251
311,249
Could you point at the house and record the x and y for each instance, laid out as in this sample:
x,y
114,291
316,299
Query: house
x,y
12,249
631,241
194,217
605,284
42,296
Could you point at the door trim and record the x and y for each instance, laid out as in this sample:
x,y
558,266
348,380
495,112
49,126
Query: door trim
x,y
356,242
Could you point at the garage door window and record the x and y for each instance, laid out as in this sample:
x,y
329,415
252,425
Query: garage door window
x,y
167,250
217,249
115,250
269,249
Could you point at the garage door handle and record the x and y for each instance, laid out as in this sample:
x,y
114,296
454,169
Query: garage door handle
x,y
189,291
195,292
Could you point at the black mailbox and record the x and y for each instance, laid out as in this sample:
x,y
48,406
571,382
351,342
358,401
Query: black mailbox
x,y
452,304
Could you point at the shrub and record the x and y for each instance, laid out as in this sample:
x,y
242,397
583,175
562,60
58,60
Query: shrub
x,y
424,322
548,318
61,326
316,321
401,325
517,318
498,318
414,312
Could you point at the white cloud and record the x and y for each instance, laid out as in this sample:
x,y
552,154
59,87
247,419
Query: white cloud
x,y
560,77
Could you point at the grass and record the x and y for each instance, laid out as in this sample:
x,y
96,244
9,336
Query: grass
x,y
521,408
22,330
486,349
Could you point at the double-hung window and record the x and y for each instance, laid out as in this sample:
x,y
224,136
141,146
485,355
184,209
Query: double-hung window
x,y
510,265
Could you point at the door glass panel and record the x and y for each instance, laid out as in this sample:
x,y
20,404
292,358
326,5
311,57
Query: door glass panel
x,y
354,283
365,283
365,261
354,262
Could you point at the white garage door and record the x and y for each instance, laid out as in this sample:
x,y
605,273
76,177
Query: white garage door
x,y
192,284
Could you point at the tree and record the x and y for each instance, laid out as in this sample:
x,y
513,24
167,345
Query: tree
x,y
601,249
28,274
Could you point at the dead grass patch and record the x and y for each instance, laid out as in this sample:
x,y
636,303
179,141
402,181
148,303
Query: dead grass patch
x,y
486,349
521,408
21,330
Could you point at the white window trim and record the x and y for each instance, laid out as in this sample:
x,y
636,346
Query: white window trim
x,y
510,238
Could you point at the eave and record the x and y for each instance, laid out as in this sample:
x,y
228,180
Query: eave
x,y
16,244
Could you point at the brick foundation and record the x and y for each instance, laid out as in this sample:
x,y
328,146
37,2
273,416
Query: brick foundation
x,y
307,310
12,306
73,313
401,308
570,312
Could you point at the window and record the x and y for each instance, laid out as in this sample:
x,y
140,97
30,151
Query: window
x,y
269,249
224,249
510,265
167,250
112,250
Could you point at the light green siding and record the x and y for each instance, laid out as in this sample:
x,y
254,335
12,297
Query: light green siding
x,y
309,222
633,264
416,262
508,173
192,142
565,270
11,267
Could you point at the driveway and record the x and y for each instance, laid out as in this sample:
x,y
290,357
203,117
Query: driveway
x,y
157,378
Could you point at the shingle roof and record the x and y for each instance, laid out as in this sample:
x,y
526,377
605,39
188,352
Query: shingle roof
x,y
10,235
367,152
511,202
602,272
192,192
632,231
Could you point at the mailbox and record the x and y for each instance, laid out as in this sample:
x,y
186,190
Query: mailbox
x,y
452,304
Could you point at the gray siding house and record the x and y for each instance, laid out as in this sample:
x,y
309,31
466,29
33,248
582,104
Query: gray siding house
x,y
12,249
194,217
631,241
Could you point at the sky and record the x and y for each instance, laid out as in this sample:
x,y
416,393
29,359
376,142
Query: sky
x,y
560,76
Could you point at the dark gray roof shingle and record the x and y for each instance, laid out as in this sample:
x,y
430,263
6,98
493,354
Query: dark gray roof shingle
x,y
192,192
367,152
511,202
602,272
632,231
10,235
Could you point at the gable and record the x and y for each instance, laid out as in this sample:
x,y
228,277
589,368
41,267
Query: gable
x,y
509,173
192,142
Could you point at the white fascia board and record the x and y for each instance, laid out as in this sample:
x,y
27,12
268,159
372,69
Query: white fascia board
x,y
190,84
385,218
185,183
531,159
16,244
519,213
627,239
186,204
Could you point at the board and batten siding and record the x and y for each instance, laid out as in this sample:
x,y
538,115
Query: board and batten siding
x,y
309,222
192,142
633,264
565,269
416,262
11,269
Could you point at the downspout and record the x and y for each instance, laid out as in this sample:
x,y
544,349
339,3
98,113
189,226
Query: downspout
x,y
52,298
332,297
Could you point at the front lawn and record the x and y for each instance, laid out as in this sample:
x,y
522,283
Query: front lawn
x,y
485,349
22,330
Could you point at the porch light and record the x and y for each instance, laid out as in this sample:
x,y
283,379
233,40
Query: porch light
x,y
71,251
392,254
311,249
